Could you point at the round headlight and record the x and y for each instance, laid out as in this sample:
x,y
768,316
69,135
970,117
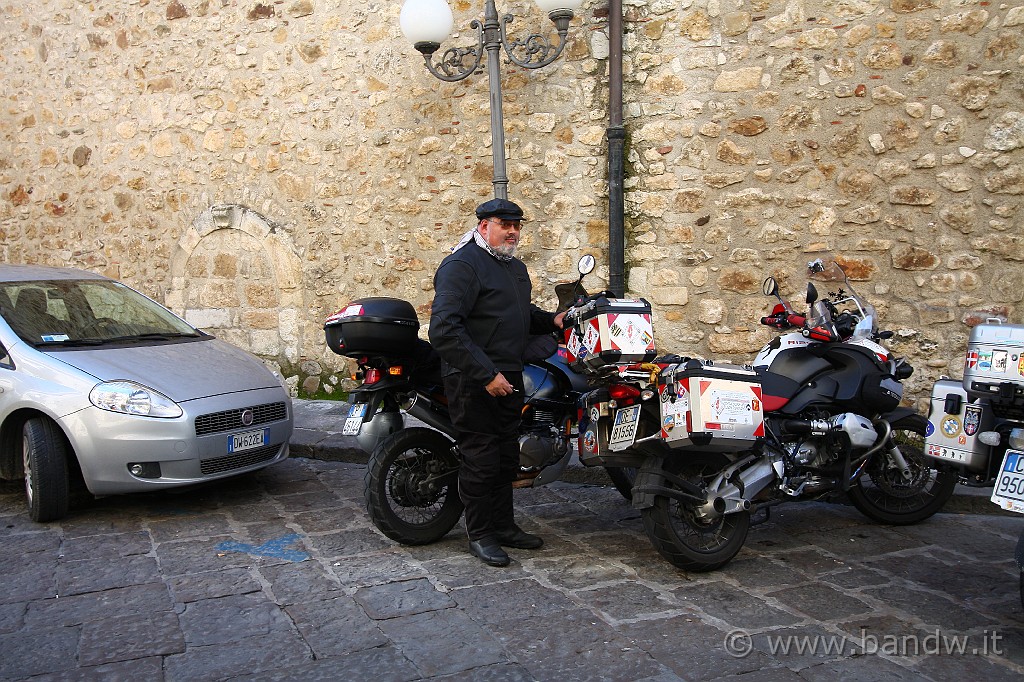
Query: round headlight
x,y
128,397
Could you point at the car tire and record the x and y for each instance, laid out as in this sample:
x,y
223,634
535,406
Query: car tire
x,y
45,459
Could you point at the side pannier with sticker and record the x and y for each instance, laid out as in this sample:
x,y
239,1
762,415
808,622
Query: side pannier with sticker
x,y
710,405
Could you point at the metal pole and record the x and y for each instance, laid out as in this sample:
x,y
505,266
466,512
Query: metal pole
x,y
616,161
458,63
492,44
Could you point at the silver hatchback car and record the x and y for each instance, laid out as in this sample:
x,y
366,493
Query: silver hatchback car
x,y
100,384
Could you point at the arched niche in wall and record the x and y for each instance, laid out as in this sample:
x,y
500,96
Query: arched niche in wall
x,y
235,275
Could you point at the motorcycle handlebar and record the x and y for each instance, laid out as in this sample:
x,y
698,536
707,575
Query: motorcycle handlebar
x,y
784,320
820,334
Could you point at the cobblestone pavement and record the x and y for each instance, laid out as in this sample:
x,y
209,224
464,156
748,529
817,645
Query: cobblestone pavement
x,y
280,575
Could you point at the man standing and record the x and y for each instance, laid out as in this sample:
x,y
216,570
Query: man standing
x,y
479,323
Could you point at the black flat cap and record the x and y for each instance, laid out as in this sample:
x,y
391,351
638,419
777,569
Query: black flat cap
x,y
499,208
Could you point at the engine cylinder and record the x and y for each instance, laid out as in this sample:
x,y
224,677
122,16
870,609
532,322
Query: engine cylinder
x,y
537,451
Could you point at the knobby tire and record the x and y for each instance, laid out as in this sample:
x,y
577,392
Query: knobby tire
x,y
411,486
882,495
681,536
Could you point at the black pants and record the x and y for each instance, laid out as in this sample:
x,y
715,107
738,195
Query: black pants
x,y
487,431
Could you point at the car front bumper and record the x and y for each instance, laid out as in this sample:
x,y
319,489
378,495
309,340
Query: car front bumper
x,y
107,444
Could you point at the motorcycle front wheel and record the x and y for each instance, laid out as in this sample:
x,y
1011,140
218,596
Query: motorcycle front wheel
x,y
883,495
684,537
411,486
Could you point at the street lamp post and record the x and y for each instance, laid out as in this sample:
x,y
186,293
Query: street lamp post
x,y
429,22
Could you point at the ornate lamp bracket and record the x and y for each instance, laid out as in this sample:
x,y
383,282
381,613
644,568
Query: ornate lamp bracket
x,y
537,50
456,63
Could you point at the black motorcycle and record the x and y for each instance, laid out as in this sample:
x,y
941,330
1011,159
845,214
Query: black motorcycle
x,y
411,481
816,416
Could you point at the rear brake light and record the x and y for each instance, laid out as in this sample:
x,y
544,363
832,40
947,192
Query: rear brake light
x,y
372,376
622,395
623,391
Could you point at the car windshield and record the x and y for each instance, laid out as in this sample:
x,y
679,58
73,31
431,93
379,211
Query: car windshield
x,y
85,312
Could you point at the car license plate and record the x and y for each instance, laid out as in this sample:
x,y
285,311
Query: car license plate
x,y
355,419
624,428
1008,491
239,442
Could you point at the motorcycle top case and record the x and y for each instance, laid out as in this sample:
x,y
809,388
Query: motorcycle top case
x,y
994,366
373,326
953,427
611,331
712,406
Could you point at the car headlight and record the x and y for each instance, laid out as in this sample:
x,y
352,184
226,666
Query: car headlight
x,y
128,397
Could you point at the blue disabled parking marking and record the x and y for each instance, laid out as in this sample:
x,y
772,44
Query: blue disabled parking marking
x,y
275,549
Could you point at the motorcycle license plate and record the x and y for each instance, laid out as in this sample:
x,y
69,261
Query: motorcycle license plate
x,y
240,442
1008,491
624,428
355,420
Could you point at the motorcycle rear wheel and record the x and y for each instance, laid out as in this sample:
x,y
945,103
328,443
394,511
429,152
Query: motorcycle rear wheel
x,y
680,535
882,495
411,486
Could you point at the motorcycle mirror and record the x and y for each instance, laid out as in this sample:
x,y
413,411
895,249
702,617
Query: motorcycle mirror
x,y
812,293
770,287
586,265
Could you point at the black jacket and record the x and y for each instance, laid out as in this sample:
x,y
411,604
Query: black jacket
x,y
482,315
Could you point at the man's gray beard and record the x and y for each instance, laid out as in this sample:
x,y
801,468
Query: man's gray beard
x,y
505,249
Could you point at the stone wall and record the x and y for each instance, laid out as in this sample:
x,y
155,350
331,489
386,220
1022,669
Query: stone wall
x,y
257,164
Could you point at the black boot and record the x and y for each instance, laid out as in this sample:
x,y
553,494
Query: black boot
x,y
489,551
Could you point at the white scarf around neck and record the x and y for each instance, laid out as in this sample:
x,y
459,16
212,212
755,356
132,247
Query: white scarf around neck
x,y
474,235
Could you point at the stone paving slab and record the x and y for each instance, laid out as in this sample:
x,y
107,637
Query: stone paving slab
x,y
279,575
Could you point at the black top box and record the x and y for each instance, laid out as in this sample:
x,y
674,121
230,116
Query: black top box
x,y
373,326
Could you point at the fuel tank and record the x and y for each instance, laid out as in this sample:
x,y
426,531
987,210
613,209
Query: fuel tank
x,y
552,380
837,377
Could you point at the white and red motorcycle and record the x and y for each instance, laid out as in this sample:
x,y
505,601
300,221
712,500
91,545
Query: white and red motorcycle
x,y
818,415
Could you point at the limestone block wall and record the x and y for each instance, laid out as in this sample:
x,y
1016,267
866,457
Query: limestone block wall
x,y
255,165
